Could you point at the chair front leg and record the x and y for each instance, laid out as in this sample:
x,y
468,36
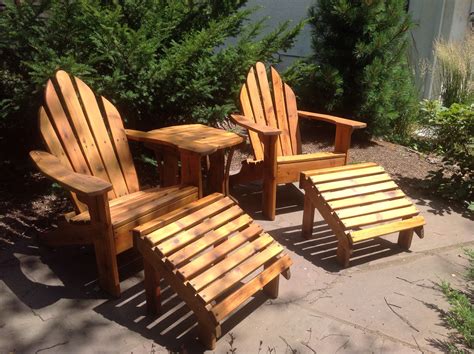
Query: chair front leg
x,y
269,175
342,141
104,244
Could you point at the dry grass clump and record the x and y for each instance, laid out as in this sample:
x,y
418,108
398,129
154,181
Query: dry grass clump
x,y
456,70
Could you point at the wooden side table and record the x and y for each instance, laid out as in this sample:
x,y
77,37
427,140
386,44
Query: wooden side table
x,y
190,143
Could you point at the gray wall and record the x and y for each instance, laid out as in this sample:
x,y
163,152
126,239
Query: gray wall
x,y
435,19
448,19
279,11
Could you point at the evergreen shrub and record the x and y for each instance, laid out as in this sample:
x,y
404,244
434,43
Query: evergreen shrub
x,y
359,68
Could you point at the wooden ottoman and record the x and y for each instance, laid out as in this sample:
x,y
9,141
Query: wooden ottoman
x,y
214,257
359,202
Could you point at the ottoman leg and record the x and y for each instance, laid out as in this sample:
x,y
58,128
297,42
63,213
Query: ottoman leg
x,y
308,218
207,336
271,289
343,254
152,289
404,239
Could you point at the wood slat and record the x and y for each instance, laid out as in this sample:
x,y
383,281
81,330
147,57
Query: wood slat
x,y
380,230
81,128
151,205
337,176
195,218
122,201
64,131
255,99
373,208
133,205
209,240
234,300
293,122
353,182
51,139
322,171
175,215
102,139
238,273
121,146
350,192
280,111
231,261
183,238
203,261
253,136
267,102
379,217
366,199
308,157
287,173
54,146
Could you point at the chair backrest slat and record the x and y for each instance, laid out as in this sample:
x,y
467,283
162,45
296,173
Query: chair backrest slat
x,y
280,108
81,128
65,131
102,138
54,147
267,101
247,111
293,121
85,139
273,105
120,142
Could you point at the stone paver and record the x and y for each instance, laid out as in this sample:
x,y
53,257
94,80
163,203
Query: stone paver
x,y
385,302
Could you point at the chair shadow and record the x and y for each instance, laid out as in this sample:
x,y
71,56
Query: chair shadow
x,y
175,327
320,249
289,199
72,268
417,190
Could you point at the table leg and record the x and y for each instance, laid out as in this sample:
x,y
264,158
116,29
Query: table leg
x,y
216,180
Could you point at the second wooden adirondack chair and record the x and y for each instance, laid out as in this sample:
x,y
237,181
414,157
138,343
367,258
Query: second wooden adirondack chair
x,y
90,157
271,117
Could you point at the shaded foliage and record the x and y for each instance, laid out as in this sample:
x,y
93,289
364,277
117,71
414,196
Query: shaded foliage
x,y
160,61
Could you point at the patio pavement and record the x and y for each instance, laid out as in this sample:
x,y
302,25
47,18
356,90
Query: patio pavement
x,y
386,301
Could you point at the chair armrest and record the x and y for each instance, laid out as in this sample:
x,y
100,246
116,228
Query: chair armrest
x,y
332,119
257,128
135,135
78,183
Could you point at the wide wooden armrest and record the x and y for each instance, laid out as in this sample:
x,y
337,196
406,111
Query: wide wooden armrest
x,y
72,181
257,128
135,135
156,137
332,119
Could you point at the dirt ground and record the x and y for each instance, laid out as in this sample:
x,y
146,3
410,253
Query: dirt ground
x,y
29,202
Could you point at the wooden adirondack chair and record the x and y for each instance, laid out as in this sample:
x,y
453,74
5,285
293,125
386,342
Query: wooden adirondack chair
x,y
271,116
90,157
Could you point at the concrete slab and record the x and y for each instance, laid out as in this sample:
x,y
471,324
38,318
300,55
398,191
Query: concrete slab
x,y
387,301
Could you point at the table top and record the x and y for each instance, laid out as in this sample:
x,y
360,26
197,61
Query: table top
x,y
198,138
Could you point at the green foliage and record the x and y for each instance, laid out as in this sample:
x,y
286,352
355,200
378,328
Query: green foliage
x,y
160,61
452,137
461,314
360,67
